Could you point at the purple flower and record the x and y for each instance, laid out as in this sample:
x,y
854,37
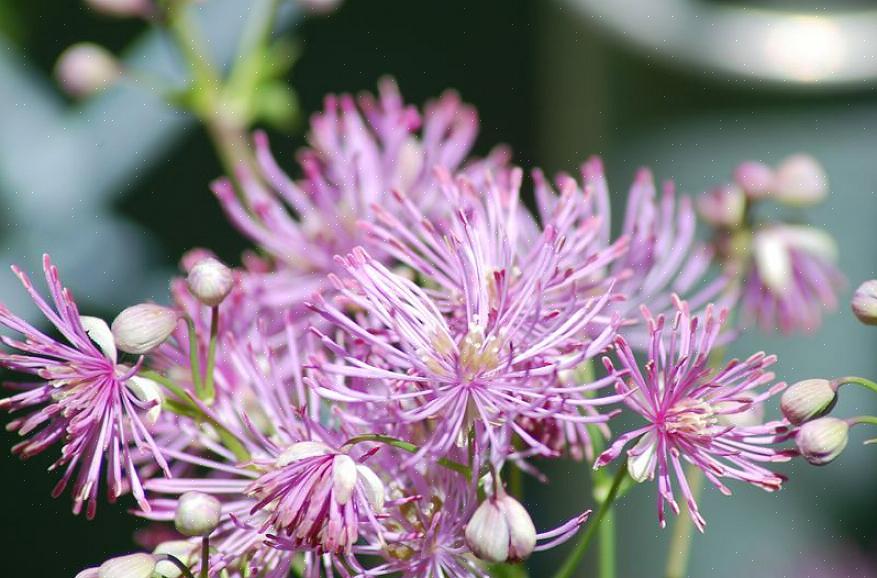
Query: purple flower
x,y
96,407
661,256
500,360
360,150
694,413
791,279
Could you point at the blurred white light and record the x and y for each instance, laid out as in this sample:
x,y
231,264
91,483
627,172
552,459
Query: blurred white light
x,y
805,48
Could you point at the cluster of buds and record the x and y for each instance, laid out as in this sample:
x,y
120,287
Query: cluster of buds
x,y
820,438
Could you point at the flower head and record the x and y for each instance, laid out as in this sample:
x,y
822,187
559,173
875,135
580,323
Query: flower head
x,y
317,496
792,278
687,406
85,399
360,150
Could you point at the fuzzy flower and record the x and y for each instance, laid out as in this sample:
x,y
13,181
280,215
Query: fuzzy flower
x,y
792,278
499,361
360,150
86,400
661,255
269,487
691,408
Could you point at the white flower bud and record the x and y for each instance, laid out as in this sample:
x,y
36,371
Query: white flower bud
x,y
185,552
301,451
820,441
501,530
121,8
99,332
89,573
755,178
85,68
197,514
344,476
864,302
801,181
147,390
210,281
141,328
723,206
808,399
131,566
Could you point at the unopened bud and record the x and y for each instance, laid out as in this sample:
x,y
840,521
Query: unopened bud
x,y
141,328
121,8
723,206
807,400
197,514
864,302
820,441
501,530
185,552
210,281
131,566
85,68
801,181
756,179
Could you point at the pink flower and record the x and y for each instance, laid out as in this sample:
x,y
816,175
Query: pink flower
x,y
96,407
792,278
360,150
691,410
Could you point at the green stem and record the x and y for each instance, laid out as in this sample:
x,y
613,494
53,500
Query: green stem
x,y
227,131
683,529
606,546
858,381
205,556
179,564
869,419
410,448
194,358
185,405
516,483
575,557
209,390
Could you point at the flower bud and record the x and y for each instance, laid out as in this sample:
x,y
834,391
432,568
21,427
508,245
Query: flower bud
x,y
131,566
121,8
197,514
756,179
808,400
141,328
185,552
864,302
723,206
820,441
801,181
501,530
85,68
210,281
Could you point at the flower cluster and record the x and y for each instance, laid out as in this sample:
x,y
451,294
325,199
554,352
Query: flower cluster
x,y
411,337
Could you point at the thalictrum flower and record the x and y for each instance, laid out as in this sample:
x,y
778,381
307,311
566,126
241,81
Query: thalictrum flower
x,y
690,410
96,407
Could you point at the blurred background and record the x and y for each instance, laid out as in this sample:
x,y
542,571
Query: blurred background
x,y
115,188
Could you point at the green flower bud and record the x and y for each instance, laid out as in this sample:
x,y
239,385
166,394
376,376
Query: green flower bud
x,y
808,399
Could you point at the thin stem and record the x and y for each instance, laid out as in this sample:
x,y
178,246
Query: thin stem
x,y
575,557
209,390
606,546
185,405
178,563
205,556
869,419
680,544
194,358
227,132
516,483
410,448
858,381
